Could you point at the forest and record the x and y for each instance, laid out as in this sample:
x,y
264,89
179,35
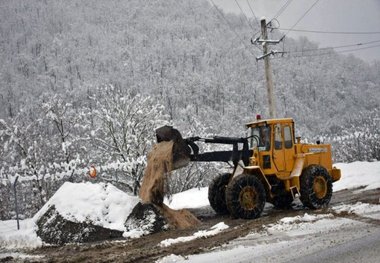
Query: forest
x,y
86,82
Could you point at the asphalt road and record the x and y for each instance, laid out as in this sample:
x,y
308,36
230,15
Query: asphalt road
x,y
333,238
365,249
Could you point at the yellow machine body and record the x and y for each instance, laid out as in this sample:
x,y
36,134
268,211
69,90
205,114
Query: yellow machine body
x,y
278,153
270,165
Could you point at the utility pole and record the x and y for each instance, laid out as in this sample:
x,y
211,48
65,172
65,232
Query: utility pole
x,y
264,42
268,70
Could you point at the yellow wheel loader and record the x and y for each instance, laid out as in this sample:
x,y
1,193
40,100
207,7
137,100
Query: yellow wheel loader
x,y
270,165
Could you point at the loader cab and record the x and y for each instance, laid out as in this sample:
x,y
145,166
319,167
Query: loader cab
x,y
260,137
272,142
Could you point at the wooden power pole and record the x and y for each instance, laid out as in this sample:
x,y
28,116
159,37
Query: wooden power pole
x,y
268,70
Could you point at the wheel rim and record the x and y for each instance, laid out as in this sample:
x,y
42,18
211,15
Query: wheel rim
x,y
247,198
320,187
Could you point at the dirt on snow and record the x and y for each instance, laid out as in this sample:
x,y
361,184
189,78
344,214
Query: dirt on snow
x,y
147,248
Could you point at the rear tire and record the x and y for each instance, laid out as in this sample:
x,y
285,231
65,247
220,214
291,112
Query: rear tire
x,y
217,193
316,187
245,196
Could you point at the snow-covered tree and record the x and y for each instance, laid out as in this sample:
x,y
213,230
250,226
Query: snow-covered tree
x,y
23,154
125,132
359,140
67,137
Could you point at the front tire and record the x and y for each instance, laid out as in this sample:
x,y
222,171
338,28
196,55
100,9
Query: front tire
x,y
316,187
217,193
245,196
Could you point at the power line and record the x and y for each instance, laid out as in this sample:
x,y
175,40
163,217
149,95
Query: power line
x,y
279,12
356,49
332,32
282,9
326,32
307,11
253,13
330,52
336,47
241,10
228,23
327,49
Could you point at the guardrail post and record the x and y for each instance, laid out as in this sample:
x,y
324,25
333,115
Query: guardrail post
x,y
16,205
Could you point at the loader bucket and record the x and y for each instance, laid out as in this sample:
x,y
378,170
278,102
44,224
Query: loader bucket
x,y
181,151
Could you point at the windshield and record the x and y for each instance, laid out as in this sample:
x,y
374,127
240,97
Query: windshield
x,y
260,137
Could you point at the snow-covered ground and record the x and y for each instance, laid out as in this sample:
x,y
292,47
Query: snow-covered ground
x,y
358,174
289,240
109,207
193,198
306,238
294,237
12,238
216,229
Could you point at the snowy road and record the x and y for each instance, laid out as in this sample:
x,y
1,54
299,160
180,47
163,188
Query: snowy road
x,y
325,238
365,249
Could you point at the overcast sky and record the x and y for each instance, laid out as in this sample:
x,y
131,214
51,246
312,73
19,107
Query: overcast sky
x,y
326,15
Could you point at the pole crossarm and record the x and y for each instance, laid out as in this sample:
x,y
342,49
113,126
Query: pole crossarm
x,y
272,52
265,41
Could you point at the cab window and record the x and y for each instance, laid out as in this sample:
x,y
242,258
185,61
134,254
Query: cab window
x,y
277,137
288,137
260,137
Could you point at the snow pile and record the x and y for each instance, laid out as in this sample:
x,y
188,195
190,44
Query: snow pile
x,y
358,174
216,229
101,204
11,238
361,209
84,212
193,198
305,218
297,222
